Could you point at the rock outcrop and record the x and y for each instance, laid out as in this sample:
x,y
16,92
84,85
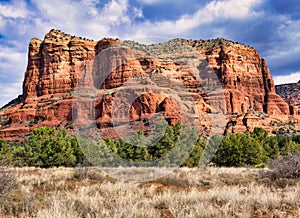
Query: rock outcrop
x,y
67,77
291,94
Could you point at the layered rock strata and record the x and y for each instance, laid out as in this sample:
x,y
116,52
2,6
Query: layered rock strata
x,y
72,81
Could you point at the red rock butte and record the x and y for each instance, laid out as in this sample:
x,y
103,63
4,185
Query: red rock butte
x,y
57,66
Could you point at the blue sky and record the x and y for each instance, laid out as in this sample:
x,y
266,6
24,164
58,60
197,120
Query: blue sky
x,y
271,26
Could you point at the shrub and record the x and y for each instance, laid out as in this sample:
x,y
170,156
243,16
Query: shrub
x,y
260,133
271,148
47,147
296,139
194,158
6,156
285,167
287,145
8,180
239,150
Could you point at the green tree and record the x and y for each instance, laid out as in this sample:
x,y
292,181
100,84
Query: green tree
x,y
6,156
270,148
287,145
47,147
251,150
162,141
183,147
296,138
228,153
194,158
211,146
239,150
259,133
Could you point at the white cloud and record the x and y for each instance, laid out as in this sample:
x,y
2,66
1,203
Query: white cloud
x,y
288,28
9,91
212,12
285,51
137,12
11,62
284,55
15,10
150,2
81,17
291,78
156,2
56,10
13,65
2,22
115,11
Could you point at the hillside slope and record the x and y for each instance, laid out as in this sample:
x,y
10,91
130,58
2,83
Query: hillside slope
x,y
290,93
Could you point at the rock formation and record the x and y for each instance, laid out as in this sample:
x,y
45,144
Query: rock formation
x,y
291,94
124,79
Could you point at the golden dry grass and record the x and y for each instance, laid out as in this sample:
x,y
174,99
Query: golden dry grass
x,y
209,192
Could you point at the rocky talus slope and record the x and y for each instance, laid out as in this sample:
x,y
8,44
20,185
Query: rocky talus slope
x,y
291,94
112,84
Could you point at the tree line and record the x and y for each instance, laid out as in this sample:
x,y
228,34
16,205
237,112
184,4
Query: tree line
x,y
168,146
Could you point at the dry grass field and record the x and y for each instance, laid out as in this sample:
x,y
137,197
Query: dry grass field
x,y
206,192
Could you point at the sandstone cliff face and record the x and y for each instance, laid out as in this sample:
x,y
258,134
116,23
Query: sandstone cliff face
x,y
55,64
249,88
54,67
246,79
127,78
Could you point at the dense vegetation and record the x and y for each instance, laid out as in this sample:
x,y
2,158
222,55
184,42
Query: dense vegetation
x,y
178,145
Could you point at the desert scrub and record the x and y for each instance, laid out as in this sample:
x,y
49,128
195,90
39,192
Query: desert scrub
x,y
285,167
197,192
8,181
